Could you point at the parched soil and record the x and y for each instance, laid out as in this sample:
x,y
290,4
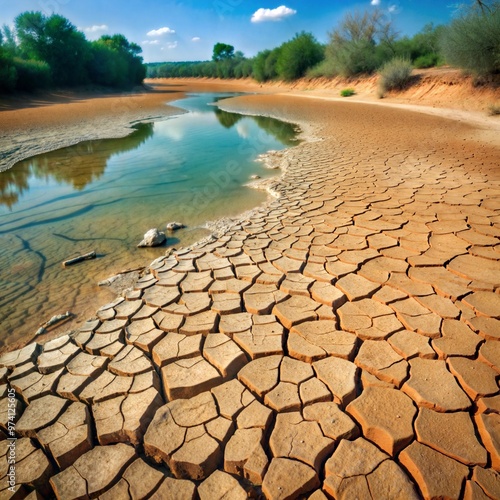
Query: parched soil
x,y
341,341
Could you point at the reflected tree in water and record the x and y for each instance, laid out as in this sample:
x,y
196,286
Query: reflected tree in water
x,y
77,166
13,183
282,131
227,119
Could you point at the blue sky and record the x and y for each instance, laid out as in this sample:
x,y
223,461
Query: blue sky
x,y
169,30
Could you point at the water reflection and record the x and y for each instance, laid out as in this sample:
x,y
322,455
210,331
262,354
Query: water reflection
x,y
77,167
103,196
227,119
282,131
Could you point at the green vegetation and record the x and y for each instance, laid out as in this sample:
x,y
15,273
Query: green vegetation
x,y
472,41
32,74
359,44
115,62
55,41
223,52
288,62
43,51
225,63
296,56
363,43
423,48
264,65
347,92
395,75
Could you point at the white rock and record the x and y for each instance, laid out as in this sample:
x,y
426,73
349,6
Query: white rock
x,y
173,226
152,238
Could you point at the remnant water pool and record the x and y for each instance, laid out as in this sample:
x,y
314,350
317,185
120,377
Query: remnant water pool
x,y
104,195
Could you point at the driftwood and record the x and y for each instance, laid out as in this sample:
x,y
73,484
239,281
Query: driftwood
x,y
54,321
80,258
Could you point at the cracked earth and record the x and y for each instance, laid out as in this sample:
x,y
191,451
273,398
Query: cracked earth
x,y
342,341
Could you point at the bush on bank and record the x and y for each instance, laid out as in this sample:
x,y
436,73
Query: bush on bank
x,y
395,75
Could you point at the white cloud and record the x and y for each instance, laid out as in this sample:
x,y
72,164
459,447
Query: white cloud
x,y
393,8
96,28
150,42
179,128
375,2
171,45
243,131
161,31
277,14
195,39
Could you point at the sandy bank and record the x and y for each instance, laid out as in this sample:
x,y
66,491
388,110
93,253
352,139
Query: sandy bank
x,y
40,124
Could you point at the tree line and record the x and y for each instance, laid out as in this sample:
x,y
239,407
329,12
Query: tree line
x,y
45,51
362,43
49,51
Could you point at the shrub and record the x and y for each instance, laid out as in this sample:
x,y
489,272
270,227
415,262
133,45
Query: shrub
x,y
347,92
32,75
298,55
472,41
8,73
395,74
422,49
243,69
426,61
324,68
353,58
264,65
360,43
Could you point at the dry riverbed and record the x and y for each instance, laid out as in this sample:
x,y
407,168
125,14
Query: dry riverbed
x,y
360,308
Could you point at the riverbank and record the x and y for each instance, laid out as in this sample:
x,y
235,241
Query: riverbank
x,y
361,307
37,123
33,124
103,195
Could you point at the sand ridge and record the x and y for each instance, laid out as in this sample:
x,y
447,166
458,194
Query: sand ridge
x,y
339,341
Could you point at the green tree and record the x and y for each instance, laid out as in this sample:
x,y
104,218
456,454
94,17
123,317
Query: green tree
x,y
222,52
270,64
106,66
55,41
259,65
298,55
32,75
423,48
243,69
8,72
8,40
360,44
116,62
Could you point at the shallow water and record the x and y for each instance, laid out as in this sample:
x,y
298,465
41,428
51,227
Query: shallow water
x,y
104,195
